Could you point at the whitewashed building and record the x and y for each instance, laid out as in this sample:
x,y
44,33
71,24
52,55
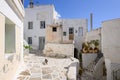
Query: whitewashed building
x,y
74,29
39,17
11,41
111,48
36,20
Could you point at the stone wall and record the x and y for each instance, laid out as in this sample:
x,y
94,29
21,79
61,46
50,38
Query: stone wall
x,y
110,44
35,15
2,40
111,39
88,58
53,36
80,30
51,49
11,13
93,35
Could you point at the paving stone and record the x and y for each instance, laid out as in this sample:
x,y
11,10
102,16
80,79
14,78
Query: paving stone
x,y
46,70
56,79
21,78
54,70
47,76
55,75
35,70
38,78
36,65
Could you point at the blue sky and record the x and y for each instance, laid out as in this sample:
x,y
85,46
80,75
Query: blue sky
x,y
102,9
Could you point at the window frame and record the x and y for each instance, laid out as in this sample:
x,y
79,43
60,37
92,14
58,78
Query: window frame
x,y
30,25
54,29
80,31
71,30
29,40
64,33
42,25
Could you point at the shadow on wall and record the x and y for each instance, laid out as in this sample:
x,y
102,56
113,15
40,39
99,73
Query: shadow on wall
x,y
76,54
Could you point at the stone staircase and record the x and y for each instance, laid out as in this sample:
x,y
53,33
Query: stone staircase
x,y
90,67
116,73
90,71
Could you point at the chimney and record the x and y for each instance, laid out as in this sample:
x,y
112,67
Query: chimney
x,y
31,3
91,21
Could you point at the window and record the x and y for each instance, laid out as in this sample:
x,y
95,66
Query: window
x,y
64,34
29,40
10,38
54,29
42,24
80,31
71,30
71,33
30,25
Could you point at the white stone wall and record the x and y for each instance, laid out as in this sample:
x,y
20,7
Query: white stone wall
x,y
87,59
11,12
75,23
50,15
111,39
109,70
37,14
93,35
56,48
98,69
110,44
73,70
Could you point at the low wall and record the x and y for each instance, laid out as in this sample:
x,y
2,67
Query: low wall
x,y
53,49
88,58
73,70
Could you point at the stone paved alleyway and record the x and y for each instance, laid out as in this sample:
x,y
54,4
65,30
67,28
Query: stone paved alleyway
x,y
54,69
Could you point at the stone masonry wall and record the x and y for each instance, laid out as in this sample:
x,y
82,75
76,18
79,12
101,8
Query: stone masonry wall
x,y
54,48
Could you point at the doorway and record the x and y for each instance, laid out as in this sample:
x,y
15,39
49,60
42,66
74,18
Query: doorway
x,y
71,33
41,43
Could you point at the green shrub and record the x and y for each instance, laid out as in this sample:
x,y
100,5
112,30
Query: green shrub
x,y
27,47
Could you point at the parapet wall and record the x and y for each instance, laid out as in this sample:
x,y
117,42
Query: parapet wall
x,y
59,50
